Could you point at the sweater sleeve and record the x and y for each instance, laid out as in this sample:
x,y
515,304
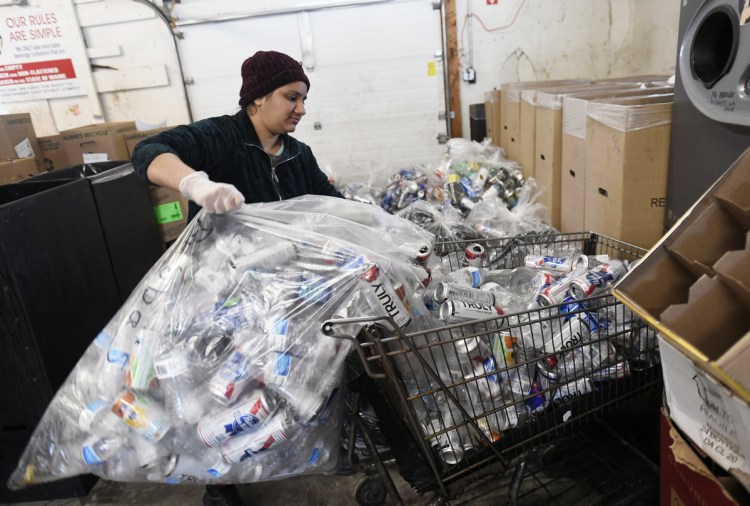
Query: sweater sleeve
x,y
197,145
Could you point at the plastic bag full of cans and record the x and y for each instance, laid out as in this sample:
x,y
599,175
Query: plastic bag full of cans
x,y
215,369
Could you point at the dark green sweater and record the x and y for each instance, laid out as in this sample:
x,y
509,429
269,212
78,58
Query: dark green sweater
x,y
228,150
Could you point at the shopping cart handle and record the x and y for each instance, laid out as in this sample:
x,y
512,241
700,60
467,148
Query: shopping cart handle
x,y
328,329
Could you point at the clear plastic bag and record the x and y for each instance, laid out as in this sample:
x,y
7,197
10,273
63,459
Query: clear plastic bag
x,y
215,369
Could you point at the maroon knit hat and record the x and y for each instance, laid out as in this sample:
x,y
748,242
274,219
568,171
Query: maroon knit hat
x,y
265,71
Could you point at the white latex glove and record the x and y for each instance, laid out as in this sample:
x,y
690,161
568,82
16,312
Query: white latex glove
x,y
213,197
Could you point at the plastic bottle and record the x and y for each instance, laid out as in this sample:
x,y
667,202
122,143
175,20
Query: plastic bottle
x,y
522,283
178,387
468,276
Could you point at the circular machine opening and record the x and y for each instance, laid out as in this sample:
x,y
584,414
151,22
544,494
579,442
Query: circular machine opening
x,y
714,46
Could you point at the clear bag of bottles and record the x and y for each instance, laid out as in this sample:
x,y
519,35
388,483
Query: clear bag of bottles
x,y
215,370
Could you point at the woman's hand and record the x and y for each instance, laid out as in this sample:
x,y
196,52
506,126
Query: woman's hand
x,y
213,197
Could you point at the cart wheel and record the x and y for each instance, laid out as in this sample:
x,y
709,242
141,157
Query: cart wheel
x,y
371,491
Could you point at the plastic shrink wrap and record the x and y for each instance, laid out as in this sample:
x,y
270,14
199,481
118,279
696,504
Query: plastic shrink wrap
x,y
215,369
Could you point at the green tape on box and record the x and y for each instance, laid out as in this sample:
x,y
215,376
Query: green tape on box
x,y
169,212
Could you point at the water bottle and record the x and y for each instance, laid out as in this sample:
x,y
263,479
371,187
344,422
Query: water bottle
x,y
178,387
521,283
98,420
468,276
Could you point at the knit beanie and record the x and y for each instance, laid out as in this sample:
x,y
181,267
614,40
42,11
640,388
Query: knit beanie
x,y
265,71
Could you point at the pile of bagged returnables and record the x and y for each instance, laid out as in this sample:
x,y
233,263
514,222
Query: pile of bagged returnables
x,y
473,191
216,370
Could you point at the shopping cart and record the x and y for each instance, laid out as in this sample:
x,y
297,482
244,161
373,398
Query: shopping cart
x,y
489,392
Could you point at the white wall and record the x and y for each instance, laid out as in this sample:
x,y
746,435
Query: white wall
x,y
550,39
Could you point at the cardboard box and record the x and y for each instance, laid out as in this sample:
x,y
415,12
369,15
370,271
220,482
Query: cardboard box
x,y
527,132
492,116
171,210
17,170
18,139
694,287
510,111
53,155
97,143
134,138
541,143
573,151
627,154
684,477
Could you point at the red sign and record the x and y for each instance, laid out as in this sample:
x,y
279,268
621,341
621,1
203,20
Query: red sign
x,y
36,72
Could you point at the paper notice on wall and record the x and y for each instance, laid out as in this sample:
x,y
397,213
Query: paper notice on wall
x,y
95,157
36,55
142,126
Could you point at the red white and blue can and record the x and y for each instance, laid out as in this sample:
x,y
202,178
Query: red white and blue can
x,y
555,293
473,255
243,418
560,264
232,376
597,279
276,430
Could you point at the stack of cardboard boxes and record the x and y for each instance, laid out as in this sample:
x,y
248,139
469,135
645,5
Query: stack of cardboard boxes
x,y
23,155
19,148
535,124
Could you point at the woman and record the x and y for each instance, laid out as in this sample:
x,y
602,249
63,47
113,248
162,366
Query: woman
x,y
219,163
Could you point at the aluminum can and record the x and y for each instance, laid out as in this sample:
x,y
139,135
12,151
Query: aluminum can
x,y
614,372
571,391
460,310
559,264
473,255
142,415
305,403
140,371
573,333
596,280
537,403
243,418
488,386
457,292
423,254
271,433
232,376
386,296
556,292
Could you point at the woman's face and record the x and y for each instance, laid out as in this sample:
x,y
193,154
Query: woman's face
x,y
281,110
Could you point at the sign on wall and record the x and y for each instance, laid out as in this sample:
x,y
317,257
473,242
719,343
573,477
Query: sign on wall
x,y
36,55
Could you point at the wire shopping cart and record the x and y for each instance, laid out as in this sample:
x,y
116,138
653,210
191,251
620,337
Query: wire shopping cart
x,y
489,391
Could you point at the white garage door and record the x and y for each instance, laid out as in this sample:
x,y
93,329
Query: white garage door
x,y
376,89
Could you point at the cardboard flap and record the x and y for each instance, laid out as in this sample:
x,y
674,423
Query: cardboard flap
x,y
734,270
735,196
709,302
705,239
735,361
664,283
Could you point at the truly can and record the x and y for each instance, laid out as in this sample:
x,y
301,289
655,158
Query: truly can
x,y
570,391
140,371
243,418
596,280
232,376
556,292
271,433
457,292
142,415
460,310
551,263
386,296
473,255
574,332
